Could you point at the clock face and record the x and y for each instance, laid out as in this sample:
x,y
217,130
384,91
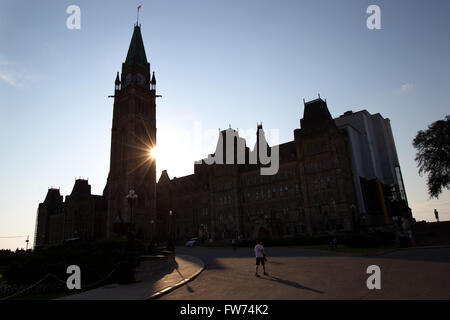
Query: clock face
x,y
128,79
140,79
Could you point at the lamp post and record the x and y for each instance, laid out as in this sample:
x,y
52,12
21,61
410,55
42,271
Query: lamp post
x,y
170,246
152,223
171,225
269,224
127,267
131,197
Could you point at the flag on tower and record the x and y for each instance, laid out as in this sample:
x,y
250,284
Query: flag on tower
x,y
137,14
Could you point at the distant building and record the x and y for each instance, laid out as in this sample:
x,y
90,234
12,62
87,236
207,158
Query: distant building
x,y
81,216
335,175
375,166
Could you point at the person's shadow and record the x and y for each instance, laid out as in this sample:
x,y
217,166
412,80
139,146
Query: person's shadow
x,y
189,289
290,283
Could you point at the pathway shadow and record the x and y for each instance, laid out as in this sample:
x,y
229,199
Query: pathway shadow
x,y
188,287
291,283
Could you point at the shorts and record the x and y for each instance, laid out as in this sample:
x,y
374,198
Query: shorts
x,y
260,261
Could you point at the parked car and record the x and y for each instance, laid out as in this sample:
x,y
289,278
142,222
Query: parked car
x,y
192,242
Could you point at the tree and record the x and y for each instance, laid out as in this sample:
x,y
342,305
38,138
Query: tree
x,y
433,155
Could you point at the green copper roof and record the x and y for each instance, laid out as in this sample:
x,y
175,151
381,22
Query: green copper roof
x,y
136,51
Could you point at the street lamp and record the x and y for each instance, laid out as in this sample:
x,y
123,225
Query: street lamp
x,y
152,223
170,245
171,224
131,197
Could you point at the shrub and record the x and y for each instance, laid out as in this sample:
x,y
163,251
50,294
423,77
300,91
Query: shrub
x,y
96,260
369,240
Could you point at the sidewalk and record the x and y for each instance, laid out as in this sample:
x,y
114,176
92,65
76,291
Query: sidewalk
x,y
185,269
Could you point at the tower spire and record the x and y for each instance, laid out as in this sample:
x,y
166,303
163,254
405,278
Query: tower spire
x,y
117,82
153,82
136,51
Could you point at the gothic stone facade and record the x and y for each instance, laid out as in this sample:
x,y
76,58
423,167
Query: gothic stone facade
x,y
133,136
312,192
81,216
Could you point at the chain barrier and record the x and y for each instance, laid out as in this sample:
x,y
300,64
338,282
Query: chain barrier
x,y
58,279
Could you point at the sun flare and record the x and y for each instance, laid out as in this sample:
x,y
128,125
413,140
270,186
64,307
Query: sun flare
x,y
153,153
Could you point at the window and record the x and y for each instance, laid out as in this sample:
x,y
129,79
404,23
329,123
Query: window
x,y
316,184
281,190
257,196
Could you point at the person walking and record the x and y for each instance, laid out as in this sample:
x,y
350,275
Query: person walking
x,y
233,244
411,239
436,215
260,258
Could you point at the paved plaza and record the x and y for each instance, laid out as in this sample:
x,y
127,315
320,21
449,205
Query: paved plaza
x,y
304,274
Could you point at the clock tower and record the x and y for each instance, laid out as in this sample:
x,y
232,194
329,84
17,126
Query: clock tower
x,y
133,137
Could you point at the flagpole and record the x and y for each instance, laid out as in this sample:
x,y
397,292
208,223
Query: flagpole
x,y
137,15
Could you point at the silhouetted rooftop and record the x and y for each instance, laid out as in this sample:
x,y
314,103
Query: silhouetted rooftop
x,y
315,115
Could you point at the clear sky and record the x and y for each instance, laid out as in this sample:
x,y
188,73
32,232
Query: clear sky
x,y
217,62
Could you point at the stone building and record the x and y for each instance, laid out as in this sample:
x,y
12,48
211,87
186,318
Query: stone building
x,y
314,191
81,215
335,175
90,217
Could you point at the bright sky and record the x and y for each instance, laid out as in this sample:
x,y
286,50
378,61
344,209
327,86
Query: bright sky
x,y
217,62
